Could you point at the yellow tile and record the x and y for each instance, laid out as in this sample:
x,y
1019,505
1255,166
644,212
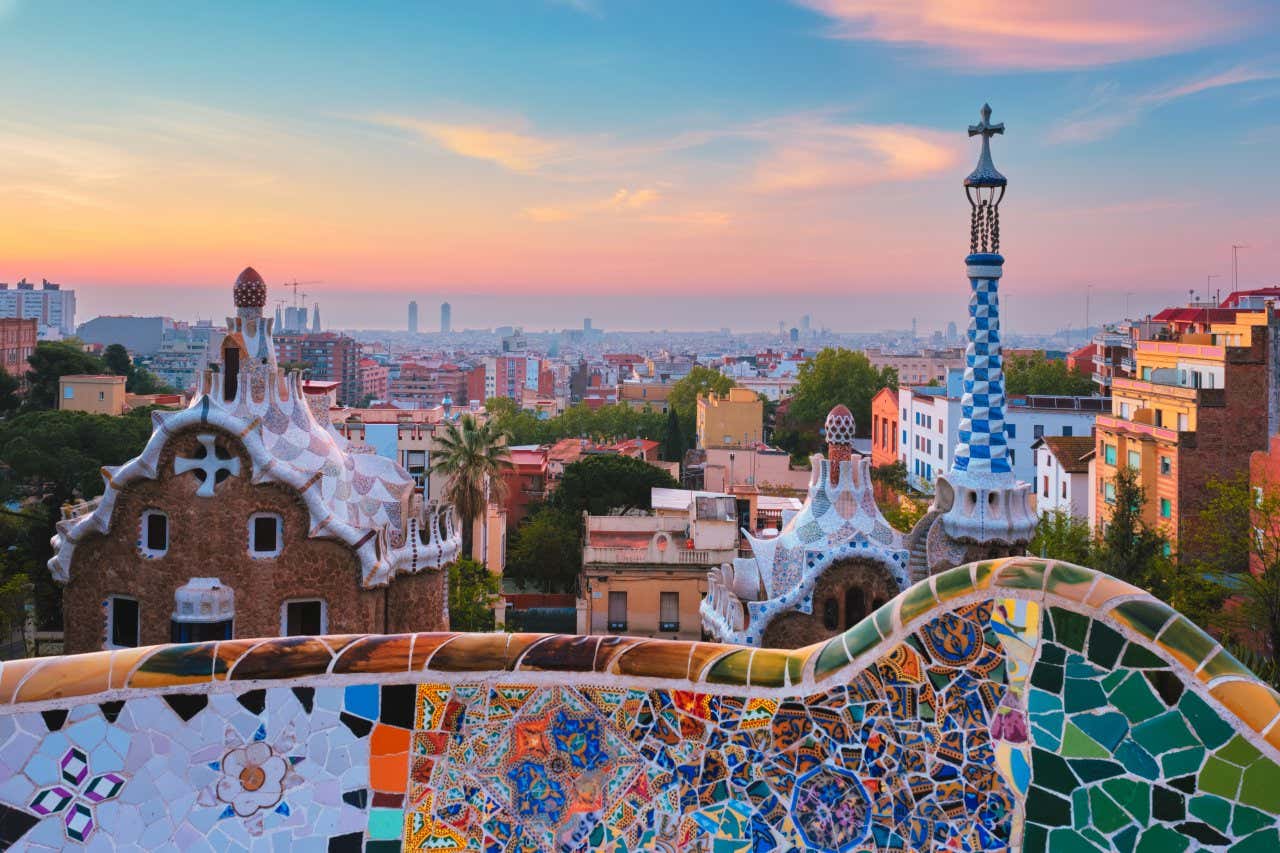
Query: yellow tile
x,y
77,675
1251,701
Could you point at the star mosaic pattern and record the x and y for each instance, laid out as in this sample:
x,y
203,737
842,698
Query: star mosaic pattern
x,y
1008,705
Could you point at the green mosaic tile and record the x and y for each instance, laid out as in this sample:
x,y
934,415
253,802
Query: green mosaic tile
x,y
1132,796
1080,817
1214,811
731,668
982,573
1182,761
1097,838
1023,574
1164,733
1135,699
1261,788
1051,652
1050,738
1035,839
1069,841
1139,657
1052,772
1077,744
884,618
1167,805
1212,730
1107,816
1108,728
1138,760
1063,575
831,658
1078,667
1047,809
1224,663
1188,640
769,668
1105,644
861,637
1070,628
1219,777
1083,695
1246,820
1095,769
1266,841
1146,616
1239,751
1161,839
953,583
915,602
1047,676
1112,679
1126,840
1039,702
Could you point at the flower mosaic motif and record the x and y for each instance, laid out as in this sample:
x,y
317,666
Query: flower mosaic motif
x,y
253,778
830,809
75,800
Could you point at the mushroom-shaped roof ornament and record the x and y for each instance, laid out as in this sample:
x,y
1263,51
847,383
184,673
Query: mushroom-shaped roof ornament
x,y
250,290
839,428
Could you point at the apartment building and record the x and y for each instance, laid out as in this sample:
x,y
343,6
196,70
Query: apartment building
x,y
733,420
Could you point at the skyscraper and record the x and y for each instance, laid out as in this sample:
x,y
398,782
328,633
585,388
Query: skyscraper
x,y
413,318
446,318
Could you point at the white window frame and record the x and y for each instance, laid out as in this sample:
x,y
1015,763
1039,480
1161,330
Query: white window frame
x,y
143,547
284,615
266,555
111,622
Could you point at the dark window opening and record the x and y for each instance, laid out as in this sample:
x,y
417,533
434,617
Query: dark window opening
x,y
157,532
304,618
199,632
124,622
831,614
265,534
617,611
231,373
855,607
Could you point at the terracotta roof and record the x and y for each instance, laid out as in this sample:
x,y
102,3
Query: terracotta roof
x,y
1070,451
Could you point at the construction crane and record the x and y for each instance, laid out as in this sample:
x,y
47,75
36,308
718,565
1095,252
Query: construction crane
x,y
295,284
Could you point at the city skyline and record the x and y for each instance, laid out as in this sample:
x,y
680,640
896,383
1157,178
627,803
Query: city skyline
x,y
506,156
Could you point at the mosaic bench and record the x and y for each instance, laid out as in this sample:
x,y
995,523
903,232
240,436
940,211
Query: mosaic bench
x,y
1017,704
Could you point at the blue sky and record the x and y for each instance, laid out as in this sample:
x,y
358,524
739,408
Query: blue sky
x,y
498,154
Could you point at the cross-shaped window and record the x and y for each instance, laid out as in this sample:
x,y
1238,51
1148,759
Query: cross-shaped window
x,y
210,463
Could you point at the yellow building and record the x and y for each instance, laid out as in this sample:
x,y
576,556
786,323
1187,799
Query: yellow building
x,y
99,394
1195,410
645,395
646,575
735,420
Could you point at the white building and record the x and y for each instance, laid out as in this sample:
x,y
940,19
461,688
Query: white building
x,y
53,308
930,420
1062,474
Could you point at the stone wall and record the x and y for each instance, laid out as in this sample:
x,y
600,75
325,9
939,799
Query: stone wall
x,y
1017,704
209,537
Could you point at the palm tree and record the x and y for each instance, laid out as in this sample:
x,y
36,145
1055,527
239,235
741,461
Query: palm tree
x,y
473,455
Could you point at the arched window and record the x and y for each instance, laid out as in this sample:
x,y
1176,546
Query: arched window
x,y
831,614
230,372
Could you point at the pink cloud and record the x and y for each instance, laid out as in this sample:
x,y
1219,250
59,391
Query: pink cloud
x,y
828,156
1039,34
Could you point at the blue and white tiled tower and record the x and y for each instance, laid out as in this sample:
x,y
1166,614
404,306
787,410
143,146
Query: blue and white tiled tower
x,y
980,499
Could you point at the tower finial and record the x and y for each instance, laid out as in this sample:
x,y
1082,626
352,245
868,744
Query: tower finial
x,y
985,188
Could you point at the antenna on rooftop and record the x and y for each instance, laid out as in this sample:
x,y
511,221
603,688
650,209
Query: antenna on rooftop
x,y
1235,265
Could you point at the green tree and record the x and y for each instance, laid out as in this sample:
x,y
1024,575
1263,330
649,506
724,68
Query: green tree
x,y
837,376
1236,538
683,397
472,591
9,399
51,361
1037,374
143,381
601,484
673,445
892,477
547,550
1061,536
117,360
52,458
472,456
1129,549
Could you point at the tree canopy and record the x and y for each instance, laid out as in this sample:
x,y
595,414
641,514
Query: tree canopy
x,y
547,550
9,399
1037,374
472,589
51,361
607,423
601,484
470,453
683,397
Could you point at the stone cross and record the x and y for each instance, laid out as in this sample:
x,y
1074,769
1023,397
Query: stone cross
x,y
985,127
209,463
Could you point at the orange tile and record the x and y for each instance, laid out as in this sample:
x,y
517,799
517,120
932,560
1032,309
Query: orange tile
x,y
388,740
1108,588
375,654
389,773
79,675
470,653
1251,701
13,671
424,645
125,661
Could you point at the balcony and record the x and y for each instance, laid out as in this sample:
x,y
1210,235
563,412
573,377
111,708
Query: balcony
x,y
593,555
1132,428
1103,379
1208,351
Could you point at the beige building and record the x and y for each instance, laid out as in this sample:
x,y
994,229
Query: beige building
x,y
919,368
646,575
735,420
645,395
98,394
766,468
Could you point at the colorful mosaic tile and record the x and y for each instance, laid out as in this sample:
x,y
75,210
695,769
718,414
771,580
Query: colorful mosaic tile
x,y
966,715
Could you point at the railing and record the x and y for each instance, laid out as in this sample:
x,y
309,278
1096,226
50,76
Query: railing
x,y
593,555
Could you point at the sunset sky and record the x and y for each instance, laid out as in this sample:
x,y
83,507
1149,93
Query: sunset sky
x,y
536,162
